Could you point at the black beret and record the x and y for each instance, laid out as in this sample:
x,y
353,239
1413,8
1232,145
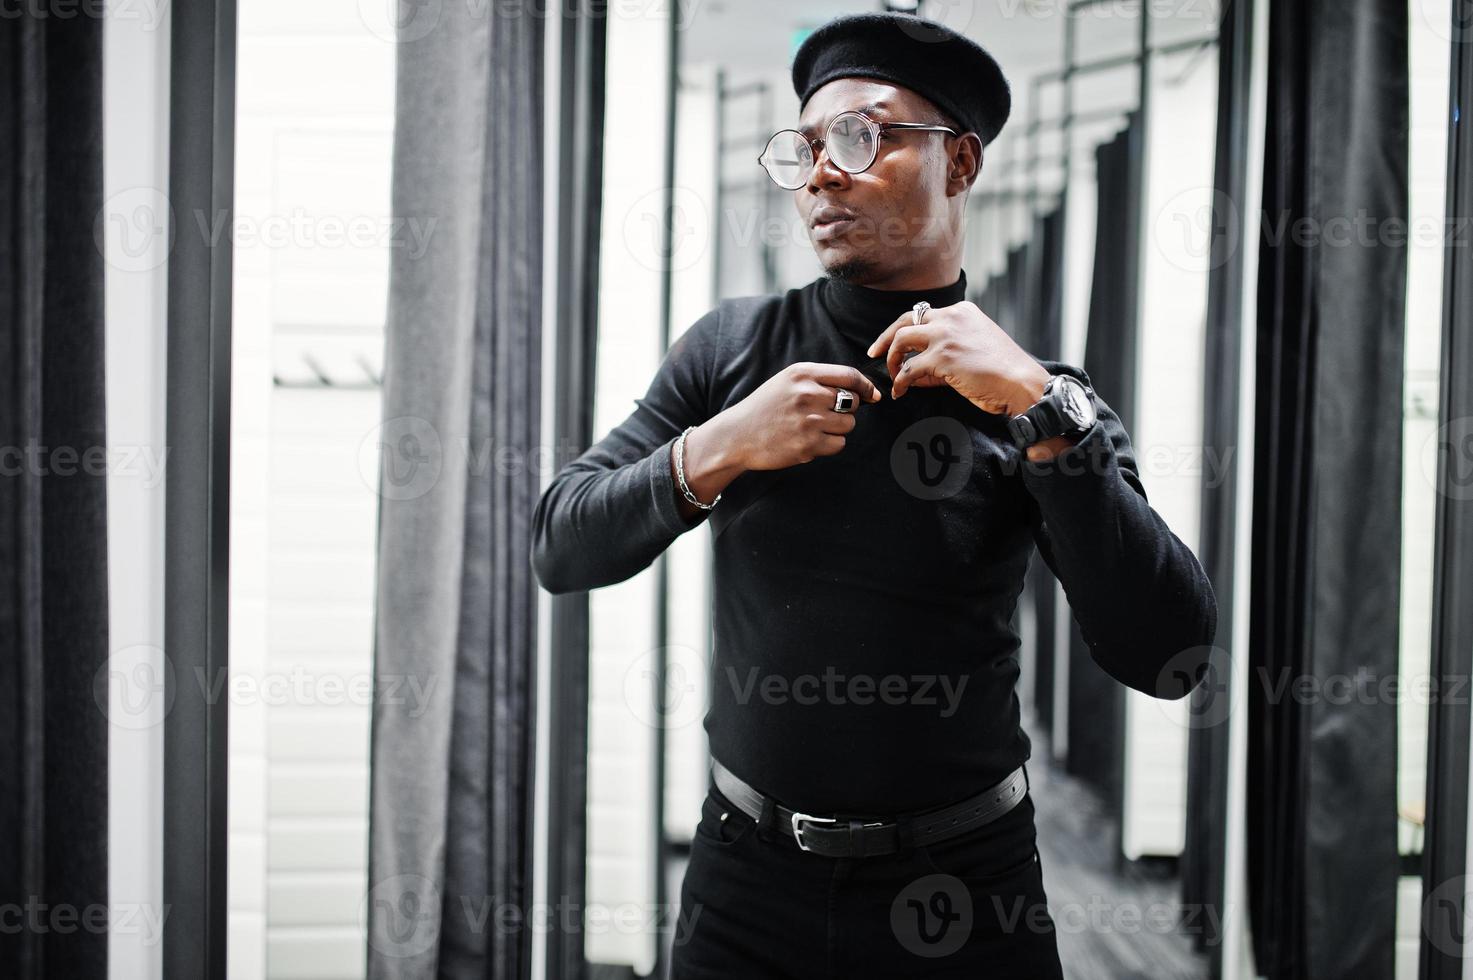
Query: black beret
x,y
931,59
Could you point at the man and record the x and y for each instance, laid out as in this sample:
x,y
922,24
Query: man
x,y
877,475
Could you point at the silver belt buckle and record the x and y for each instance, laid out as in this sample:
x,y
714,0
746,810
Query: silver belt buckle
x,y
799,818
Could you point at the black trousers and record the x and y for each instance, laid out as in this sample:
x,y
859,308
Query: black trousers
x,y
755,906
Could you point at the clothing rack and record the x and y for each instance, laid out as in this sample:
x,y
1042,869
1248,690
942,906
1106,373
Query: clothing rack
x,y
1031,158
759,185
323,379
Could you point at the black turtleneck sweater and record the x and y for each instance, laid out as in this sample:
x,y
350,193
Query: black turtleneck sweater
x,y
864,658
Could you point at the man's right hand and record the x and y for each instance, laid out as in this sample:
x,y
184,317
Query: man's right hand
x,y
788,420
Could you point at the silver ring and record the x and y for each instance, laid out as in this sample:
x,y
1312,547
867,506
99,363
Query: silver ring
x,y
918,312
844,400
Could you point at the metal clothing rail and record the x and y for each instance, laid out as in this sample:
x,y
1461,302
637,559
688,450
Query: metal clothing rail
x,y
1068,118
751,143
321,378
1032,158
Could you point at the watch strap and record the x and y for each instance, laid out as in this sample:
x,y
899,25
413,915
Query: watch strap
x,y
1046,417
1042,420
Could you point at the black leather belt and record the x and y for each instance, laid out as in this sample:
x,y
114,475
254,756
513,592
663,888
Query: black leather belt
x,y
841,837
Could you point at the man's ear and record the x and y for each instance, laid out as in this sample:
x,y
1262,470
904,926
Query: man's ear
x,y
966,162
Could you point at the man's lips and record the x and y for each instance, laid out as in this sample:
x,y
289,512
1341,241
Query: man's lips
x,y
829,221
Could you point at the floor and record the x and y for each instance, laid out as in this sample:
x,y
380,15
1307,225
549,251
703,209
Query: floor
x,y
1112,924
1117,924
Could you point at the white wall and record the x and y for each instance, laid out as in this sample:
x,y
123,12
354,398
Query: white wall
x,y
314,131
687,755
621,870
135,162
1167,431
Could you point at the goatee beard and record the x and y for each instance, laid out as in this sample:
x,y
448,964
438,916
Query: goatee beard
x,y
853,270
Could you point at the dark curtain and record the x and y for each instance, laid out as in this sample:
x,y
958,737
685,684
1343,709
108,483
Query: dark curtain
x,y
1026,300
1044,338
1041,333
1204,851
1446,940
1326,559
1016,292
451,794
1096,701
53,505
1045,283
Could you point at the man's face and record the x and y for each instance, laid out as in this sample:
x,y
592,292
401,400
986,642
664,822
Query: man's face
x,y
902,206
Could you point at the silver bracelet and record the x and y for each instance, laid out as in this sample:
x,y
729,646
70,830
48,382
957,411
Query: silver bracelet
x,y
680,473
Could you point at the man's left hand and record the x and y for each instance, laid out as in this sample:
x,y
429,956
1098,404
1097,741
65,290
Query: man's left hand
x,y
961,346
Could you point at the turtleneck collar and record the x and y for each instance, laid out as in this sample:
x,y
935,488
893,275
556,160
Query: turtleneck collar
x,y
862,312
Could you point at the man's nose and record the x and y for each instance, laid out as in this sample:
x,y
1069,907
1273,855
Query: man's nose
x,y
825,172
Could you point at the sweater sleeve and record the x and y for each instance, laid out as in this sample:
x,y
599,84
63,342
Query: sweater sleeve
x,y
609,513
1141,599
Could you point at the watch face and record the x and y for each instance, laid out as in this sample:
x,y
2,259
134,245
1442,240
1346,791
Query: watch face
x,y
1077,404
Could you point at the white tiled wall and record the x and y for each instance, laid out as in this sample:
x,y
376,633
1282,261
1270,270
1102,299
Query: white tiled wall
x,y
687,754
314,132
621,868
135,155
1167,427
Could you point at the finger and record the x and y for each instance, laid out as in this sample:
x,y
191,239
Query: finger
x,y
838,423
844,376
918,372
829,445
911,338
878,346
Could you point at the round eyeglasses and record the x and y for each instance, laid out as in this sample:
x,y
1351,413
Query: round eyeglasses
x,y
852,140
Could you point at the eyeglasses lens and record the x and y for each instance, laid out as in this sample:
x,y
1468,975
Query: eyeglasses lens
x,y
850,143
788,159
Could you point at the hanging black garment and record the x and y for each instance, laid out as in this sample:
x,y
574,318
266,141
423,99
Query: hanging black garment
x,y
1097,706
1325,602
53,502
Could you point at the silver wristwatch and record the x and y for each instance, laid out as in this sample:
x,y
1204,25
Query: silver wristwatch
x,y
1066,409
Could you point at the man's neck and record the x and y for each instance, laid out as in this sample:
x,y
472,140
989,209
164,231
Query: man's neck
x,y
932,277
